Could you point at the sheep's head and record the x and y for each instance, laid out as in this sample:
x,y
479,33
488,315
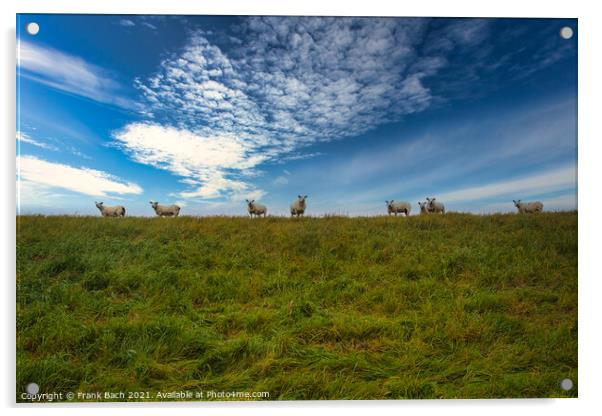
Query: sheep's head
x,y
99,204
153,204
302,198
422,206
389,204
516,203
250,203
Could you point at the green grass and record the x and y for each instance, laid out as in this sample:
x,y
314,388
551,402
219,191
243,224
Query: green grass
x,y
454,306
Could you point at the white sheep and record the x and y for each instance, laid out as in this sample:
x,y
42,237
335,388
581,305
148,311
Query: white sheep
x,y
528,207
423,208
165,210
298,207
435,207
256,209
398,207
107,211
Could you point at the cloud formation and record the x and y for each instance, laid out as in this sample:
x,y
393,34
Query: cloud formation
x,y
142,21
202,160
279,85
72,75
34,173
25,138
523,142
281,180
549,181
127,23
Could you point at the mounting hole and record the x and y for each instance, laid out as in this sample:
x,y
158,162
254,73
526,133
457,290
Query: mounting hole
x,y
32,388
566,32
566,384
32,28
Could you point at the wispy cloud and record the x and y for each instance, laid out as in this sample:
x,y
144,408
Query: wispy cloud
x,y
478,63
34,173
281,180
70,74
141,21
127,23
517,143
541,183
25,138
149,25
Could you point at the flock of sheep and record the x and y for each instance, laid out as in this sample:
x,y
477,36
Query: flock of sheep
x,y
430,206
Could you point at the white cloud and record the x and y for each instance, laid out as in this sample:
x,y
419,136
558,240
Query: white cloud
x,y
149,25
25,138
39,175
68,73
127,23
557,179
326,79
200,159
281,180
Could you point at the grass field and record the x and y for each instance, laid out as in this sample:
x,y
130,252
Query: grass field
x,y
454,306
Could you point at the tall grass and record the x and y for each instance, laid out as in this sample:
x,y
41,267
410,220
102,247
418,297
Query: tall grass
x,y
454,306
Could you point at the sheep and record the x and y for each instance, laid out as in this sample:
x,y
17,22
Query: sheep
x,y
398,207
528,207
435,207
256,209
165,210
298,206
423,208
107,211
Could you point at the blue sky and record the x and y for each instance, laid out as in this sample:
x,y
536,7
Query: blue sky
x,y
207,111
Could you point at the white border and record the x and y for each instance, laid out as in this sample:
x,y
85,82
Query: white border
x,y
590,25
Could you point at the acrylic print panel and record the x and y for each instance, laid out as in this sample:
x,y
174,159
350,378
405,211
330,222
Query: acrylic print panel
x,y
295,208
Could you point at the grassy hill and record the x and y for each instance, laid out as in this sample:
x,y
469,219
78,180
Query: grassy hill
x,y
454,306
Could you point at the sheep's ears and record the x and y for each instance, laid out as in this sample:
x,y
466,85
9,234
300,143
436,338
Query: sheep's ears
x,y
433,199
299,196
